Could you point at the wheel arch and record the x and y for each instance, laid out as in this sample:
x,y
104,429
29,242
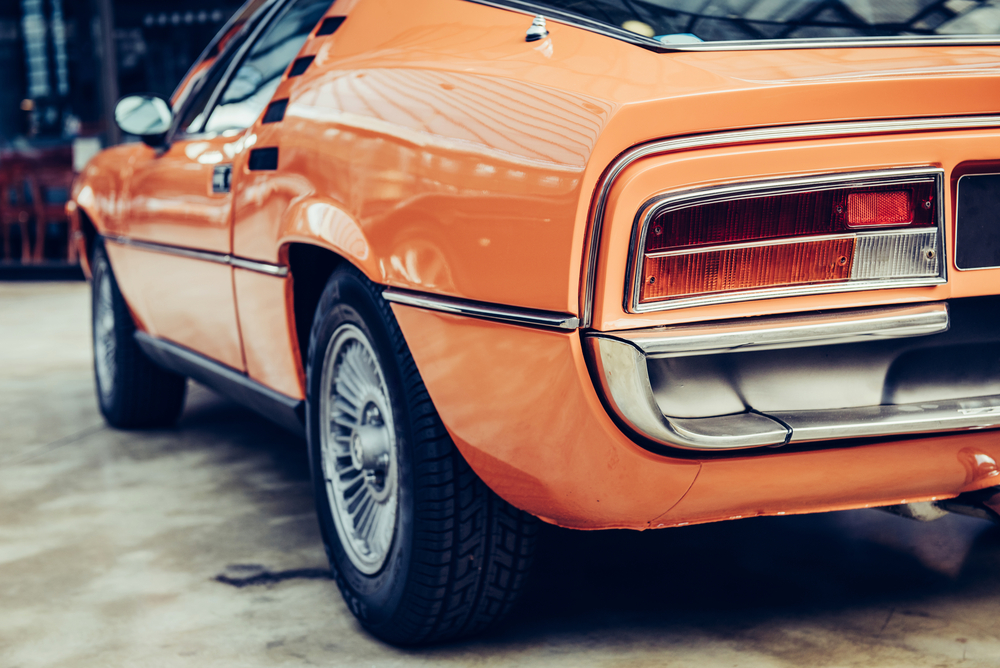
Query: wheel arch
x,y
316,236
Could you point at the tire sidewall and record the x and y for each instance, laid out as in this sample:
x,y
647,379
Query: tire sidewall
x,y
348,299
107,401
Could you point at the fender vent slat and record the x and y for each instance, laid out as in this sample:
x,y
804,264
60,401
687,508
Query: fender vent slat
x,y
300,66
330,25
275,111
263,159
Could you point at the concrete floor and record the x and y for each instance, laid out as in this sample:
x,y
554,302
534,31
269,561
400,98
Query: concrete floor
x,y
112,545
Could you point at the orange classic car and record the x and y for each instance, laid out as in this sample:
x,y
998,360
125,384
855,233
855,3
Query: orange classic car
x,y
603,263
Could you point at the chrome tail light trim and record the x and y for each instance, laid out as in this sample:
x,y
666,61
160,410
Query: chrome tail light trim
x,y
915,270
752,136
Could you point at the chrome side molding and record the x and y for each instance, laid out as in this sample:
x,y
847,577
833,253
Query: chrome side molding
x,y
267,268
519,316
791,331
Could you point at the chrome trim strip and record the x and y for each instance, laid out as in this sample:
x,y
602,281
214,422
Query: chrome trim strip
x,y
608,30
624,379
481,310
840,43
913,231
205,256
772,187
794,331
797,291
975,413
259,267
757,135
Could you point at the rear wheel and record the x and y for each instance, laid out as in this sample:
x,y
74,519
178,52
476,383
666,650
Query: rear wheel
x,y
132,392
420,548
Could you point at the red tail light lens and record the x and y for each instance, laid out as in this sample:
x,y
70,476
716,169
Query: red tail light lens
x,y
791,215
832,233
879,209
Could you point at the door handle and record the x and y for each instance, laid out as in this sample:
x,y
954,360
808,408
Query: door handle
x,y
221,177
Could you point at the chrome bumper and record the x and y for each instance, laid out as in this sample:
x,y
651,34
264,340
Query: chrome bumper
x,y
623,363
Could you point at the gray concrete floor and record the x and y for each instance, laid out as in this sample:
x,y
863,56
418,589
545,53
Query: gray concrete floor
x,y
112,544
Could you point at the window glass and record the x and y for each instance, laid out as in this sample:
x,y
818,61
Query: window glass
x,y
231,30
253,84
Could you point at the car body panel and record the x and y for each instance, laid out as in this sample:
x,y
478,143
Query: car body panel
x,y
433,148
523,415
267,324
519,404
692,169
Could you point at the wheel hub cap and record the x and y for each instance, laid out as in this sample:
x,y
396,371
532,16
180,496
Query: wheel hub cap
x,y
358,449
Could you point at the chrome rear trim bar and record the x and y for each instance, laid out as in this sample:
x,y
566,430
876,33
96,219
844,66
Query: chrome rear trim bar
x,y
975,413
532,317
623,374
794,331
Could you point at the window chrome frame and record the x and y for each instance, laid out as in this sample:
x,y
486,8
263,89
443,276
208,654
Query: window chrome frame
x,y
608,30
675,201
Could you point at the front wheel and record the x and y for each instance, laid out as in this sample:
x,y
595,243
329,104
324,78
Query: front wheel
x,y
420,548
132,392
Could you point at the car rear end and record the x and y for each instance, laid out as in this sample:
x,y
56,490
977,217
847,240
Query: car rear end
x,y
788,302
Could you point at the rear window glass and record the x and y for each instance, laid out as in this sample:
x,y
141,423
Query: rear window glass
x,y
694,21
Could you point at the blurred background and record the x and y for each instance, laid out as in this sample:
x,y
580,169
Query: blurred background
x,y
64,65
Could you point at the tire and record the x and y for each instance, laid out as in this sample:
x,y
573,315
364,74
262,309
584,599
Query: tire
x,y
440,556
132,392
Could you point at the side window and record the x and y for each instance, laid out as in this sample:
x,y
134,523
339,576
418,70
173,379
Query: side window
x,y
253,84
194,114
205,76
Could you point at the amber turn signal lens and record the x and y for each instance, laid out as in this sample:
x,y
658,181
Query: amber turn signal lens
x,y
875,209
745,268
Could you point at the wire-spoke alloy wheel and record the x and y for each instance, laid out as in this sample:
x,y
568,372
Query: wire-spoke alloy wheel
x,y
419,546
359,449
132,392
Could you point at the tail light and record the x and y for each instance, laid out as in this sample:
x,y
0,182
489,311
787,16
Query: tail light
x,y
820,234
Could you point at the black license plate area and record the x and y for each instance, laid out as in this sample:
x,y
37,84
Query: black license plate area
x,y
977,230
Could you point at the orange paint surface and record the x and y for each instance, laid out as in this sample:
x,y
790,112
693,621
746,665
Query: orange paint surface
x,y
520,405
268,331
429,145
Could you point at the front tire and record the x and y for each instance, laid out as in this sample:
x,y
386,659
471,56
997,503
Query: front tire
x,y
132,392
420,548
